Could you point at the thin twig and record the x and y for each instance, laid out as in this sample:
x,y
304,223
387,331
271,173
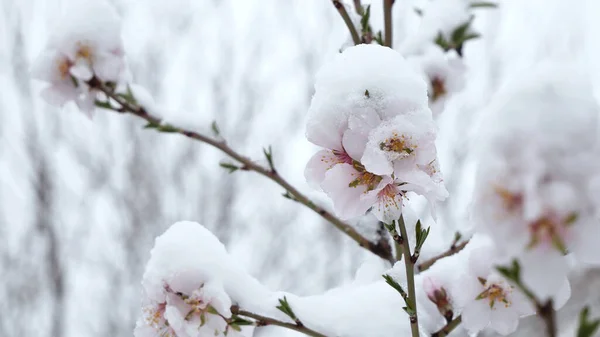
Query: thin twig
x,y
264,320
445,331
410,278
387,20
358,7
139,111
346,17
453,250
548,314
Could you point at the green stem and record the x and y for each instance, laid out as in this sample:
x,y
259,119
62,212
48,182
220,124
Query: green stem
x,y
410,278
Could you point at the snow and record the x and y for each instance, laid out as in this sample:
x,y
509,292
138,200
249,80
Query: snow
x,y
341,90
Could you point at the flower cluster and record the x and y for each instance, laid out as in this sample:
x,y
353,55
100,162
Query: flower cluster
x,y
185,291
187,311
86,44
370,114
467,284
536,186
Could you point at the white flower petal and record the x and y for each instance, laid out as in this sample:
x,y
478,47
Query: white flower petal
x,y
318,165
347,200
81,70
476,315
543,271
504,320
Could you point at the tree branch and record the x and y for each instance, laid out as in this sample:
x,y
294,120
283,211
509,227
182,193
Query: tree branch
x,y
387,20
346,17
263,321
455,248
410,278
445,331
134,109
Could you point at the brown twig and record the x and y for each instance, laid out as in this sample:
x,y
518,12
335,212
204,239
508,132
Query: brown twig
x,y
264,320
247,164
548,314
446,330
387,20
455,248
346,17
358,7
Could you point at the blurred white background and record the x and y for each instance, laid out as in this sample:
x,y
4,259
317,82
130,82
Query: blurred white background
x,y
82,200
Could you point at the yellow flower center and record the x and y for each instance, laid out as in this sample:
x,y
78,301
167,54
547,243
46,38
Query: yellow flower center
x,y
512,201
399,144
493,293
64,66
84,52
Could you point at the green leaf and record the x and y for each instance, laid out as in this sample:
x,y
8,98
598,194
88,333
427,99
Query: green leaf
x,y
390,227
571,219
364,21
269,155
231,167
460,32
457,237
212,310
421,235
151,125
587,327
512,272
441,41
483,4
470,36
103,105
379,38
167,128
389,280
284,307
237,320
215,128
128,96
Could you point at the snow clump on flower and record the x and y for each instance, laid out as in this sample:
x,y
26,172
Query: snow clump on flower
x,y
87,44
185,286
370,112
